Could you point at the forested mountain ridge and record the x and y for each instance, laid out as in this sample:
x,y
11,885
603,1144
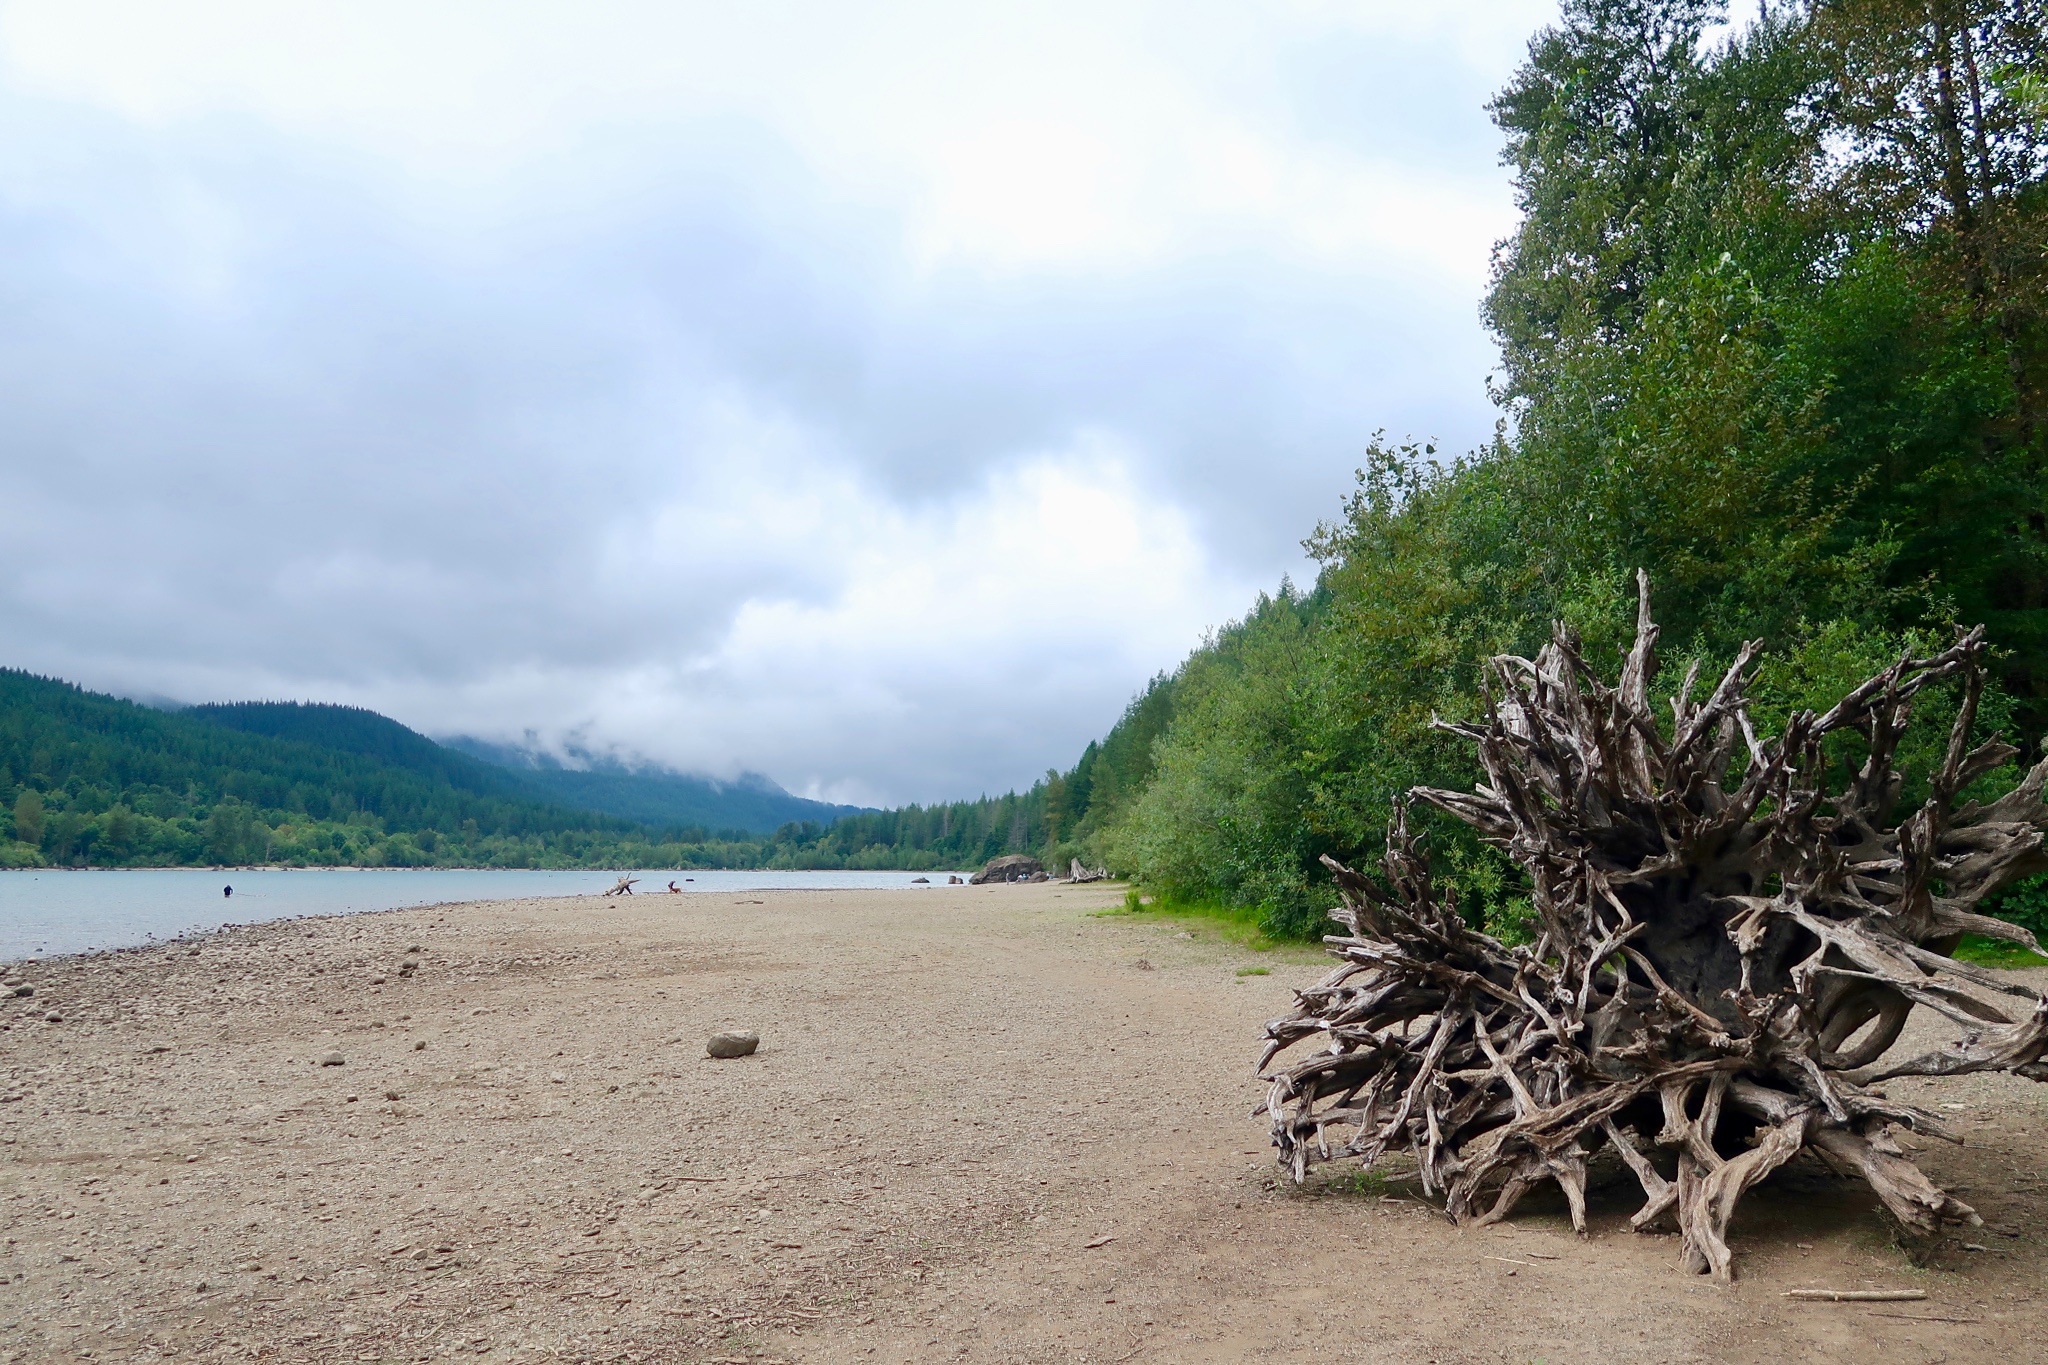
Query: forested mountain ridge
x,y
365,734
94,780
91,778
654,796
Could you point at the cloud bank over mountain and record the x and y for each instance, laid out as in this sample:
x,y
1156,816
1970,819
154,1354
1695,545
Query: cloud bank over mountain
x,y
870,396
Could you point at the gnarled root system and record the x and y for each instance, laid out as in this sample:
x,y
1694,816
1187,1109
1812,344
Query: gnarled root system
x,y
1719,962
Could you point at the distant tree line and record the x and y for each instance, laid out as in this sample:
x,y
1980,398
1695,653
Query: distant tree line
x,y
1059,818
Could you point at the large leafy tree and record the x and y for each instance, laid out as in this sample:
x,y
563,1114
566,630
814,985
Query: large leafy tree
x,y
1771,321
1938,186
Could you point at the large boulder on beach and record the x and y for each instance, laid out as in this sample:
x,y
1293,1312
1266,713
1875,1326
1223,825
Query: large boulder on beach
x,y
1011,867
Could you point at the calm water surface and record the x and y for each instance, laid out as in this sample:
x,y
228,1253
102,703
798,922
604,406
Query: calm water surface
x,y
44,912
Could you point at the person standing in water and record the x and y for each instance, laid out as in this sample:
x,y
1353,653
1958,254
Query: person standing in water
x,y
227,891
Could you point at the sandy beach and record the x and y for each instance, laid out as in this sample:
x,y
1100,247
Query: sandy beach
x,y
984,1125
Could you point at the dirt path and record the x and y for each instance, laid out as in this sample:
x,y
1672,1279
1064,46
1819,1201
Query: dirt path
x,y
961,1093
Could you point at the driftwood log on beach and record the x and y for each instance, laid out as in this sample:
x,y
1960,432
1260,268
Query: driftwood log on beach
x,y
1726,942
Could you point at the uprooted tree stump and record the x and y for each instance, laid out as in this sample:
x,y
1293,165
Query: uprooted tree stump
x,y
1719,960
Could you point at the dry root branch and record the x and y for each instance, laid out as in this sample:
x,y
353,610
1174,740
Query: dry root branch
x,y
1719,960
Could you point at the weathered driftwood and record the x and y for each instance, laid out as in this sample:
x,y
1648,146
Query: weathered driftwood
x,y
1079,872
1723,951
624,887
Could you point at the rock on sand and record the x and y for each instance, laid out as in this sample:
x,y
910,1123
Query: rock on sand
x,y
732,1043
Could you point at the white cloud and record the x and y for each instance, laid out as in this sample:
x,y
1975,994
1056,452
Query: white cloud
x,y
870,395
1014,132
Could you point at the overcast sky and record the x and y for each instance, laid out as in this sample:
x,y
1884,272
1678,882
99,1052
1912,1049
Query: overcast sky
x,y
871,395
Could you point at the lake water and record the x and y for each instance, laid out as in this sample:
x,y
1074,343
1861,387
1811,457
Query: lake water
x,y
45,911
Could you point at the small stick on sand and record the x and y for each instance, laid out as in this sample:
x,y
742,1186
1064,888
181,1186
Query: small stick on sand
x,y
1921,1317
1855,1295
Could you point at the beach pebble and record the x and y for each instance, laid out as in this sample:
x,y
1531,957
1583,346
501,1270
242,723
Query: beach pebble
x,y
24,991
732,1043
420,1046
332,1059
53,1018
391,1094
557,1078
